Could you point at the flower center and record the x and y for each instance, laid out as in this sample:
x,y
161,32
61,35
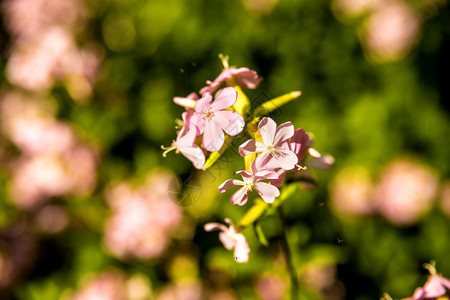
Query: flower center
x,y
274,151
208,114
249,186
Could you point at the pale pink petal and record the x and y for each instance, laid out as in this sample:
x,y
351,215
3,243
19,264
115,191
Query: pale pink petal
x,y
229,184
280,180
434,288
215,226
212,86
246,77
445,282
283,132
195,154
198,121
227,240
299,143
266,174
250,147
267,191
286,159
185,102
226,98
186,136
241,249
325,162
203,103
230,121
213,137
245,174
240,197
267,128
262,160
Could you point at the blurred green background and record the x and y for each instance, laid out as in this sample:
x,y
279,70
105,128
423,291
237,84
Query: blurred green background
x,y
86,102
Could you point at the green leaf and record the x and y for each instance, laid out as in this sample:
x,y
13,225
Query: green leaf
x,y
260,233
271,105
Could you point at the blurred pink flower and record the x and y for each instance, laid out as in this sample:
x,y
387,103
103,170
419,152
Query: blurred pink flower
x,y
142,218
27,18
406,191
110,285
40,177
351,192
243,77
274,150
271,287
212,119
231,239
184,290
57,58
252,180
391,31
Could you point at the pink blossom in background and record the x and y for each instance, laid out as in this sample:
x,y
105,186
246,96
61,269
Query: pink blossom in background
x,y
37,178
212,119
351,192
243,77
27,18
391,31
252,181
184,290
110,285
142,218
271,287
44,51
274,151
53,161
51,219
321,276
37,65
405,192
231,239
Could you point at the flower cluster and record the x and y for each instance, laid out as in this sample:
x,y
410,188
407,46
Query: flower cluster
x,y
270,153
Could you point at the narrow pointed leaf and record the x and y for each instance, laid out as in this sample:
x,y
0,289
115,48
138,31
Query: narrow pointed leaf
x,y
260,233
271,105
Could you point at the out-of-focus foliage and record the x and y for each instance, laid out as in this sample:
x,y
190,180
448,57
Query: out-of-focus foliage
x,y
89,208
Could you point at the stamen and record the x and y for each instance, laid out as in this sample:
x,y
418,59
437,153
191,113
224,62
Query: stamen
x,y
273,151
224,59
300,167
168,149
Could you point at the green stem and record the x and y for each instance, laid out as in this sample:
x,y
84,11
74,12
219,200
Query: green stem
x,y
288,256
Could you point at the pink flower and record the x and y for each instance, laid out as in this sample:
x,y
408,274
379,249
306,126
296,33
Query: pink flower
x,y
231,239
211,119
299,145
185,145
435,287
242,76
252,181
274,150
